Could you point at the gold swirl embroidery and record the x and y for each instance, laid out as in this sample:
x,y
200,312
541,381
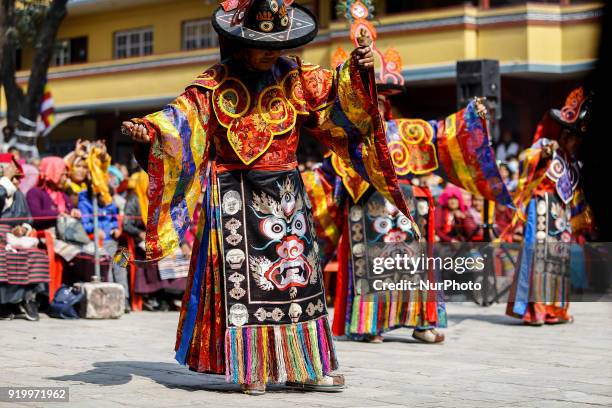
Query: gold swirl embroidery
x,y
414,152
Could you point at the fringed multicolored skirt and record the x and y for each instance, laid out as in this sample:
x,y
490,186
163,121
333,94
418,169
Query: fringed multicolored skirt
x,y
382,311
376,229
254,308
542,285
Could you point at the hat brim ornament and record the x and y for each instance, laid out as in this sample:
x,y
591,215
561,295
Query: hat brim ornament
x,y
575,116
265,24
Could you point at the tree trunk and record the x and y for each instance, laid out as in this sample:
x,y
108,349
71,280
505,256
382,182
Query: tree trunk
x,y
2,31
14,94
3,28
2,39
23,109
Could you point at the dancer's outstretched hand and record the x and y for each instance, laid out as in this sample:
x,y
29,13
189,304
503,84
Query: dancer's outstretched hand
x,y
364,57
137,132
550,148
363,54
481,108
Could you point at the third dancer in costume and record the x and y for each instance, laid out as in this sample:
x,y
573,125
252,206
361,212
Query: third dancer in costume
x,y
553,211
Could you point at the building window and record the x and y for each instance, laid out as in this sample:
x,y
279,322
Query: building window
x,y
70,51
134,43
61,55
199,34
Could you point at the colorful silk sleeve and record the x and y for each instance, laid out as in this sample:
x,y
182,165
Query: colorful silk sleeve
x,y
177,162
466,157
328,199
582,217
351,126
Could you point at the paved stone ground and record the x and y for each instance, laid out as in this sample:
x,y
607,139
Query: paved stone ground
x,y
488,360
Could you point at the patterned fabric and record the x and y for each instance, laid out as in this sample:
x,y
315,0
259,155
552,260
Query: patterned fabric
x,y
262,26
23,267
466,156
327,197
411,143
543,276
355,186
345,121
532,173
351,228
582,215
540,174
565,176
259,314
458,148
377,229
272,272
176,167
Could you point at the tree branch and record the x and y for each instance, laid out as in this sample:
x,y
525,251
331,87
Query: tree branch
x,y
44,46
2,30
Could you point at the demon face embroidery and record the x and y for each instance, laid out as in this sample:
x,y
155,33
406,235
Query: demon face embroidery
x,y
286,226
389,223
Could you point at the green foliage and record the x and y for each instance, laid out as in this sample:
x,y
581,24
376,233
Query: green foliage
x,y
29,17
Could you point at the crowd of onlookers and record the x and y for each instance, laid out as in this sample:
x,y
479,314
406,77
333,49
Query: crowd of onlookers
x,y
47,226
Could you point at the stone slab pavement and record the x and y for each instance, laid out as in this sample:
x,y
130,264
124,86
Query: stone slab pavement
x,y
488,360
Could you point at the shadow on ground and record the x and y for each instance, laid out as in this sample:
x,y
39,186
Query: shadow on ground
x,y
490,318
114,373
110,373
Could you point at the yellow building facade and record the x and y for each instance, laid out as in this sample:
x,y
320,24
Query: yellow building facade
x,y
534,41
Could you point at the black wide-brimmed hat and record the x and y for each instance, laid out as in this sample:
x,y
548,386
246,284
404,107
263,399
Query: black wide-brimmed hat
x,y
576,114
265,24
390,89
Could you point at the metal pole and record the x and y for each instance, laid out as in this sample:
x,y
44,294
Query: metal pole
x,y
97,277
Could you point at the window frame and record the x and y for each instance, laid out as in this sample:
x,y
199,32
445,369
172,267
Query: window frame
x,y
62,50
213,39
142,43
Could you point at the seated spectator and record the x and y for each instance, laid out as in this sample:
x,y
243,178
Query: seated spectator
x,y
47,200
24,268
160,294
506,147
450,216
108,226
115,180
29,179
474,219
13,206
76,161
503,218
513,168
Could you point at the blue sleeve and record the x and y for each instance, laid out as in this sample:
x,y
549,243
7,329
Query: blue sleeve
x,y
114,213
86,213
